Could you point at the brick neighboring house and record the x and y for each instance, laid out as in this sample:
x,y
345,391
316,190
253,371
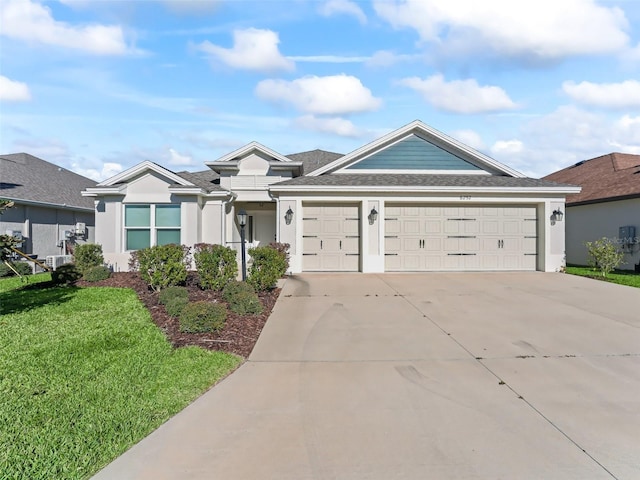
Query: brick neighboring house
x,y
609,200
49,212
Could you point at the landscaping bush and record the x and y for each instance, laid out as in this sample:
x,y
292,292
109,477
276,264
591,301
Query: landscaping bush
x,y
216,265
234,288
175,305
23,268
283,248
268,266
169,293
67,274
200,317
245,303
161,266
97,273
88,255
605,255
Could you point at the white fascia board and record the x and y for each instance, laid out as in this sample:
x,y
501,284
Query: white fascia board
x,y
61,206
425,189
201,192
102,191
246,150
141,168
420,128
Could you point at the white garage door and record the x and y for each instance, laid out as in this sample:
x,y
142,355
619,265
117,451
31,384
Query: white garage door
x,y
331,237
421,238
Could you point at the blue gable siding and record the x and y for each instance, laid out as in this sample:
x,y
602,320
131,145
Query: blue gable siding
x,y
413,153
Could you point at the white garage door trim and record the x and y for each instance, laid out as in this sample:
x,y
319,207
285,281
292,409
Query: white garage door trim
x,y
331,237
423,237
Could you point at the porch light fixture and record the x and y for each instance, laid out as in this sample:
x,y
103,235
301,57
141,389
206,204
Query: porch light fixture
x,y
242,221
288,216
557,215
373,216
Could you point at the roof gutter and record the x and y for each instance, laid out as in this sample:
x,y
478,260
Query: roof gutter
x,y
63,206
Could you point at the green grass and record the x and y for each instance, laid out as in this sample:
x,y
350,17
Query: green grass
x,y
84,375
621,277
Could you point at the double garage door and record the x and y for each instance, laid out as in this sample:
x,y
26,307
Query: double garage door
x,y
419,238
423,237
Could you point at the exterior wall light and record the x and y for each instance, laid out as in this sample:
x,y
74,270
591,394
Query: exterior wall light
x,y
373,216
288,216
557,215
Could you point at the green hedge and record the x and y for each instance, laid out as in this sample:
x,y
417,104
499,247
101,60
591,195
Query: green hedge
x,y
201,317
268,266
161,266
216,265
88,255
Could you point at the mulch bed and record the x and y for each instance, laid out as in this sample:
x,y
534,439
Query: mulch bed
x,y
239,335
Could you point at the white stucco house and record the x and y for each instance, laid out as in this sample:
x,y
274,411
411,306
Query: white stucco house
x,y
608,206
413,200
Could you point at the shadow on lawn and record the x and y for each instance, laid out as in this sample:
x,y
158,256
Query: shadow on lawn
x,y
35,296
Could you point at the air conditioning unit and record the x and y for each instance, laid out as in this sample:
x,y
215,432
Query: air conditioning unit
x,y
55,261
80,228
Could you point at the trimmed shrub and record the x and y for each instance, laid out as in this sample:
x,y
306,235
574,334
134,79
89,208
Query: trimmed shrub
x,y
88,255
23,268
235,288
67,274
201,317
175,305
161,266
95,274
216,265
283,248
268,266
169,293
245,303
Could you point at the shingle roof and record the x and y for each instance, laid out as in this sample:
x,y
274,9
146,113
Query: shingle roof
x,y
420,180
608,177
206,179
25,177
314,159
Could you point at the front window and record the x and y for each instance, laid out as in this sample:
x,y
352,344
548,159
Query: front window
x,y
147,225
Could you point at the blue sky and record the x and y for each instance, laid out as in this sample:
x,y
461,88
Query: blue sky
x,y
99,86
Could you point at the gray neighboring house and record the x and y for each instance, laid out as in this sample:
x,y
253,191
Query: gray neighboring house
x,y
608,205
50,213
412,200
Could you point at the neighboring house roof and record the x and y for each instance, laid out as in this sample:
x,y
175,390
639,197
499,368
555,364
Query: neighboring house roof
x,y
426,181
614,176
24,177
314,159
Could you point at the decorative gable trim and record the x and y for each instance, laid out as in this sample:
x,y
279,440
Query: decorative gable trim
x,y
429,134
124,177
247,150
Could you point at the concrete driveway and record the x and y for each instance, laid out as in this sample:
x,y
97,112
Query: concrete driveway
x,y
420,376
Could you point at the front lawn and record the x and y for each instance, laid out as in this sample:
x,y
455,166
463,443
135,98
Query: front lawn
x,y
84,375
622,277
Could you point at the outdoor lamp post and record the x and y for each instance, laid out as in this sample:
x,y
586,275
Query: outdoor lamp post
x,y
242,221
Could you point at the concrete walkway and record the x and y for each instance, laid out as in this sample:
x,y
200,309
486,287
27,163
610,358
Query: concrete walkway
x,y
420,376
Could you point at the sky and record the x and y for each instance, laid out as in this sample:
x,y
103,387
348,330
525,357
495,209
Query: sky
x,y
98,86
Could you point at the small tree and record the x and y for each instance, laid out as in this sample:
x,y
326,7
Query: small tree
x,y
604,255
88,255
7,242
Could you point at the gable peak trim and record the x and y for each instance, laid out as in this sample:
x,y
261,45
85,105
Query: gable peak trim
x,y
140,168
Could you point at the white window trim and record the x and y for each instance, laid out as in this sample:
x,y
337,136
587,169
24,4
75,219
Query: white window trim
x,y
152,223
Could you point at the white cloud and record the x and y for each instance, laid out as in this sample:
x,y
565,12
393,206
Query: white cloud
x,y
33,22
346,7
460,96
13,91
386,58
545,29
335,125
470,138
253,49
177,159
332,95
507,147
609,95
108,170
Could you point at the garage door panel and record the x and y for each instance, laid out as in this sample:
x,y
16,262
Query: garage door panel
x,y
477,237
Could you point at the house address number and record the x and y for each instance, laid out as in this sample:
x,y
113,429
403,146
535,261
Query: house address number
x,y
465,197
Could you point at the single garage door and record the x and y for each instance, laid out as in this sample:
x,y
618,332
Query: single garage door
x,y
485,237
331,237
